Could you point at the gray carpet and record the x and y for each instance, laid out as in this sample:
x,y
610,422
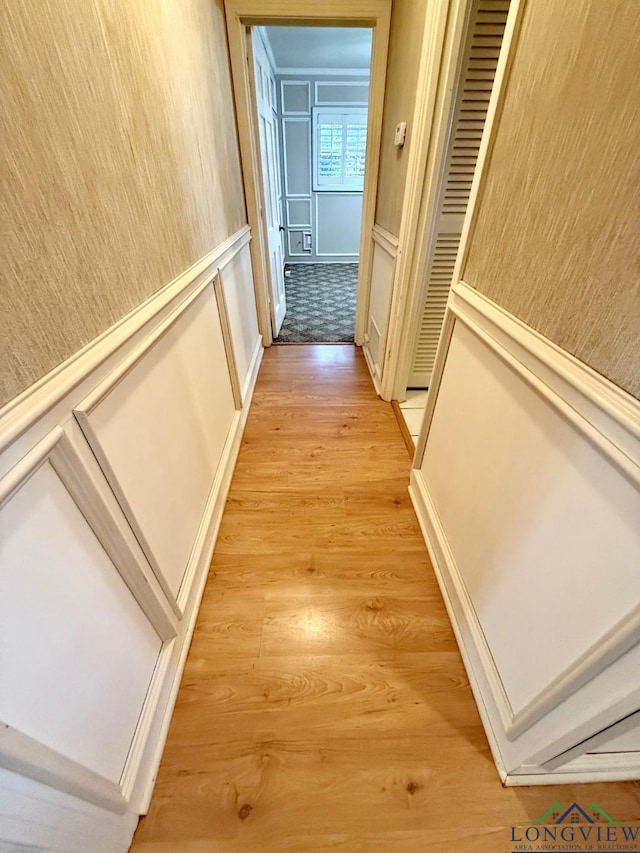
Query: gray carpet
x,y
321,303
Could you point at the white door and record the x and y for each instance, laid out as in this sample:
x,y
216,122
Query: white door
x,y
272,191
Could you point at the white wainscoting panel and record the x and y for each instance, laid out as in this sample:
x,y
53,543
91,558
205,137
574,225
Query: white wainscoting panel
x,y
385,247
237,282
527,485
533,514
77,653
158,426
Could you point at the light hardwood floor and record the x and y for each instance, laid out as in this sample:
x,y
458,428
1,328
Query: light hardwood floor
x,y
324,705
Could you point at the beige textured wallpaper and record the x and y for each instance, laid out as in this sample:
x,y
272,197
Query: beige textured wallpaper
x,y
557,237
120,165
405,42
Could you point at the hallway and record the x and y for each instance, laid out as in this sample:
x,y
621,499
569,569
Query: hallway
x,y
324,705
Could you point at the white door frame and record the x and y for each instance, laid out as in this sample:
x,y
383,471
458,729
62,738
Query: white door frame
x,y
442,47
507,52
444,38
242,14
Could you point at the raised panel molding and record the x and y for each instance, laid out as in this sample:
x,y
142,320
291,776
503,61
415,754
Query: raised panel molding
x,y
385,251
291,218
19,751
303,85
359,91
297,186
326,230
607,421
191,446
237,304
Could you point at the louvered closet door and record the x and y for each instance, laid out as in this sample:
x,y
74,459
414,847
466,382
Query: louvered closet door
x,y
478,69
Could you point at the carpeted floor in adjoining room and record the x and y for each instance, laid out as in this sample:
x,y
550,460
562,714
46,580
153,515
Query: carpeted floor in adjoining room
x,y
321,303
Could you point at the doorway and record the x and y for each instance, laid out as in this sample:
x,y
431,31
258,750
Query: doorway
x,y
312,93
305,140
472,82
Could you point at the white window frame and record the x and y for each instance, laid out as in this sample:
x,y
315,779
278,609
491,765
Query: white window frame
x,y
318,112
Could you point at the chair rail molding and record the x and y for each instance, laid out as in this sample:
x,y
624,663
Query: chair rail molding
x,y
385,239
107,349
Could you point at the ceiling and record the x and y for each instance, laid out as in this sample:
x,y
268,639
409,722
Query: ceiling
x,y
320,47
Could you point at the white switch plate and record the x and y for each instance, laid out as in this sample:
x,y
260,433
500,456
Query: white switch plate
x,y
401,132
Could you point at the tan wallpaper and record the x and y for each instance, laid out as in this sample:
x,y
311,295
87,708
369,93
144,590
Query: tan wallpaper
x,y
407,22
120,165
557,238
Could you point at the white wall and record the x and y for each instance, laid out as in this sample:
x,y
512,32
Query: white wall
x,y
114,470
332,220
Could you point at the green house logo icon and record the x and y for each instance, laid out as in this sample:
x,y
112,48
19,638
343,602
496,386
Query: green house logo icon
x,y
559,814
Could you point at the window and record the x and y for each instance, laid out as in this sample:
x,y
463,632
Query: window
x,y
339,148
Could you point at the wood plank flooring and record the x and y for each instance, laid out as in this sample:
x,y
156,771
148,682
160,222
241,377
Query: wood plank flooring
x,y
324,705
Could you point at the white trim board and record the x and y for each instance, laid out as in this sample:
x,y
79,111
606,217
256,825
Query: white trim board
x,y
33,761
477,664
485,680
19,752
64,823
595,408
385,249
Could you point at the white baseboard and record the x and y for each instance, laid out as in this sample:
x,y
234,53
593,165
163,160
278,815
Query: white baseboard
x,y
619,770
474,651
372,369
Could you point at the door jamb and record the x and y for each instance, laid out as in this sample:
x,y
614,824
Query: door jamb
x,y
241,14
424,175
443,42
